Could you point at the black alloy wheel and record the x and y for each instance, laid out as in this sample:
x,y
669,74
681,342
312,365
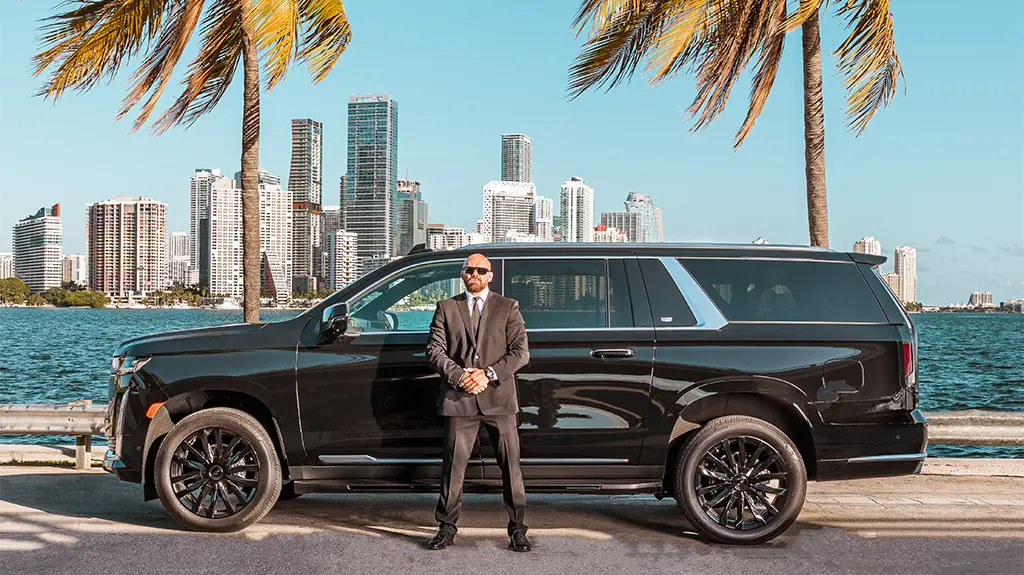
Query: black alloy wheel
x,y
740,480
217,470
215,473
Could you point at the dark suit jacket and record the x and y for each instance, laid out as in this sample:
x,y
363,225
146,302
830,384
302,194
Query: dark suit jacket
x,y
501,345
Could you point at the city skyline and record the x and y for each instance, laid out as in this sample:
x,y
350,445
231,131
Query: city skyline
x,y
896,182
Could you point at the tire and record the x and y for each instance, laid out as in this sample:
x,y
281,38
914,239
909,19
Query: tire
x,y
710,484
224,467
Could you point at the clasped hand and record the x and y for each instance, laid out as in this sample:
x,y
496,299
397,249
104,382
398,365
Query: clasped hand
x,y
474,380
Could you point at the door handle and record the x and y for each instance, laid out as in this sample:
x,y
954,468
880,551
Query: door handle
x,y
611,353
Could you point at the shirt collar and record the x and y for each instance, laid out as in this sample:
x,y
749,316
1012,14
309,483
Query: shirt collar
x,y
482,295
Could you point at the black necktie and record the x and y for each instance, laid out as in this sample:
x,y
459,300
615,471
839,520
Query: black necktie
x,y
474,316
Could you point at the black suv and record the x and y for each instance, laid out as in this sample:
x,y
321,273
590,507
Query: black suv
x,y
723,376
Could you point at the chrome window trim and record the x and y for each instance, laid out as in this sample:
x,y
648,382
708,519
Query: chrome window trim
x,y
796,322
707,314
767,259
884,458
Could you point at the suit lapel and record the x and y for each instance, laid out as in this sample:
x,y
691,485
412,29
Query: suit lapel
x,y
489,310
460,302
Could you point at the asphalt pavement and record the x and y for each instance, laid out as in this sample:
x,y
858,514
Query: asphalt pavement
x,y
56,521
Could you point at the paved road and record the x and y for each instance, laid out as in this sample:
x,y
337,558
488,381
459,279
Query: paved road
x,y
59,521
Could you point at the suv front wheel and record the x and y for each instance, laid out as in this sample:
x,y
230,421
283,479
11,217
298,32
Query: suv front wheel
x,y
740,480
217,470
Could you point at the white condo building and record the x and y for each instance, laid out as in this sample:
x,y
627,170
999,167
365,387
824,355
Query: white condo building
x,y
516,158
6,265
305,183
37,249
225,246
577,211
659,223
76,269
543,218
892,279
868,245
507,206
441,238
343,248
127,239
643,205
905,264
179,268
603,233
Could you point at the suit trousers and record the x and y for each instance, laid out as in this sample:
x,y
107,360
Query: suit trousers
x,y
460,434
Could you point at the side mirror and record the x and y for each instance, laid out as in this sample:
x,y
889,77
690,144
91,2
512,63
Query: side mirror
x,y
335,319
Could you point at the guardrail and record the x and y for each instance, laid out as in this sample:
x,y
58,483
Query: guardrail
x,y
79,419
82,420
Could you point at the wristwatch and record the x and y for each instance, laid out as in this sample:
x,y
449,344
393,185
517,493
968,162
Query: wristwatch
x,y
491,374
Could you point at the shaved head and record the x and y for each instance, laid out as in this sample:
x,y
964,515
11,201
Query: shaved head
x,y
476,273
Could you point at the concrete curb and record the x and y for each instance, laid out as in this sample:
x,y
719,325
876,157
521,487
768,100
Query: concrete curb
x,y
993,467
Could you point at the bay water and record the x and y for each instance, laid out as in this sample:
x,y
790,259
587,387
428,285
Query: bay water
x,y
47,355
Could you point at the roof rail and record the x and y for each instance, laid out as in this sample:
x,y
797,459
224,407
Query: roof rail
x,y
419,249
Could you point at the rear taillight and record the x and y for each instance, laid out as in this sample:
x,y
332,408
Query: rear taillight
x,y
908,359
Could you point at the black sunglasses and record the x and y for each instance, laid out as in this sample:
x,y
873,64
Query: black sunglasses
x,y
468,270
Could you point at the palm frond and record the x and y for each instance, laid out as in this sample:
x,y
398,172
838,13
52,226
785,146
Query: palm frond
x,y
275,26
734,38
93,41
212,69
327,34
773,36
684,28
615,49
805,10
868,60
155,71
597,13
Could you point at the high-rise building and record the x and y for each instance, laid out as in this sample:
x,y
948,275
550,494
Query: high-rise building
x,y
76,269
892,279
543,218
342,247
660,223
37,249
629,222
127,239
199,221
603,233
905,264
577,211
371,177
179,269
331,223
516,158
6,265
980,299
411,223
556,228
226,262
507,206
441,238
305,184
642,204
868,245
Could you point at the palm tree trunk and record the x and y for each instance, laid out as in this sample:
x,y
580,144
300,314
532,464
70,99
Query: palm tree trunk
x,y
814,135
250,175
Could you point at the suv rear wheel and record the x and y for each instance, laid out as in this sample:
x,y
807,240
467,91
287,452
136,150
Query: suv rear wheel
x,y
740,480
217,470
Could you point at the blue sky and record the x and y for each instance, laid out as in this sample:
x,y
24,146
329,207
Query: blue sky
x,y
942,169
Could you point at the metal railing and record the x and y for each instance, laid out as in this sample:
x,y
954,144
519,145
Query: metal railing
x,y
82,420
79,419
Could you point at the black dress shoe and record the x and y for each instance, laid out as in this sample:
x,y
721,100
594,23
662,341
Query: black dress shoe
x,y
518,541
442,540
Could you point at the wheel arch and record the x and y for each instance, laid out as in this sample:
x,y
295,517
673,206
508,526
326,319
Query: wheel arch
x,y
787,416
178,406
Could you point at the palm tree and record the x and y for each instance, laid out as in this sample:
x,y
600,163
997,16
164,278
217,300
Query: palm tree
x,y
718,39
94,40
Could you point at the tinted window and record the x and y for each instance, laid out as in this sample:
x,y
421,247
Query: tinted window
x,y
667,303
781,290
559,293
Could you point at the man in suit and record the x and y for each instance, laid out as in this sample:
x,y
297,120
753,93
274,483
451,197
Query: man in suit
x,y
477,344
